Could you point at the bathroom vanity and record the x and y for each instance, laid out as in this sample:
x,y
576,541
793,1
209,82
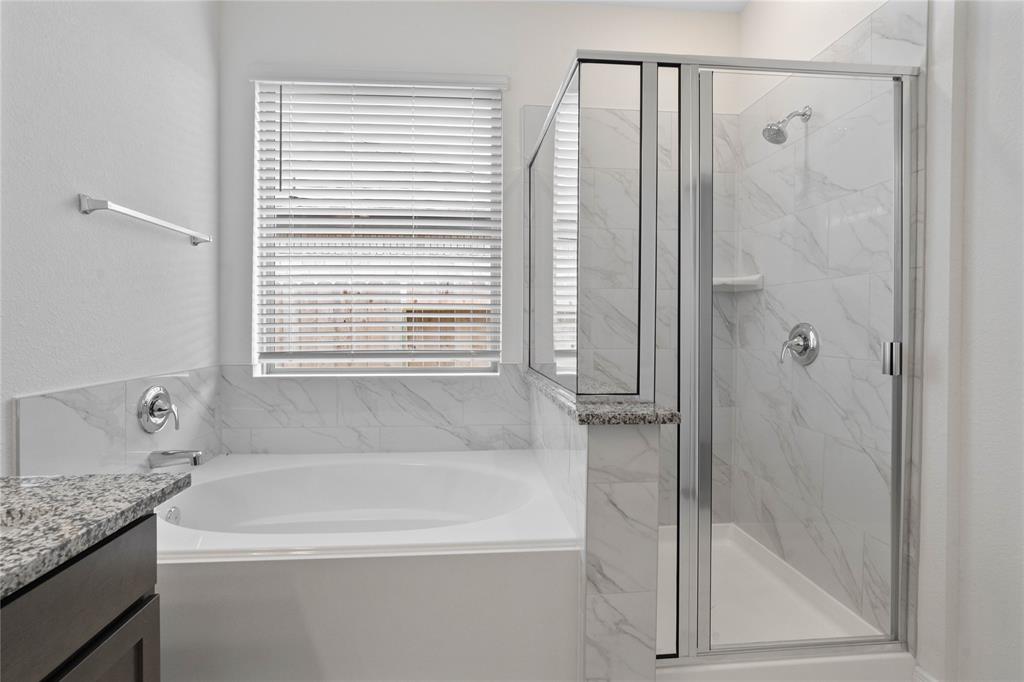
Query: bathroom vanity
x,y
78,576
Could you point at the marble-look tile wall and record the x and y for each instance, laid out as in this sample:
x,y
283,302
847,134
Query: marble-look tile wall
x,y
621,552
367,414
810,475
608,250
561,447
226,409
95,430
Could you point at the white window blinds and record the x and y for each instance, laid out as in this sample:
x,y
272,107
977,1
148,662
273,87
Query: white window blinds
x,y
565,228
377,228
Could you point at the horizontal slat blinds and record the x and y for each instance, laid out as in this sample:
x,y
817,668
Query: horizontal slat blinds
x,y
565,229
378,228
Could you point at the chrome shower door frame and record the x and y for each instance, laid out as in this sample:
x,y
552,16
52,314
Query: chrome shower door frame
x,y
698,648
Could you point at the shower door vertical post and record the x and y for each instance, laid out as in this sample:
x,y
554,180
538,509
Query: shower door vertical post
x,y
705,232
688,284
648,228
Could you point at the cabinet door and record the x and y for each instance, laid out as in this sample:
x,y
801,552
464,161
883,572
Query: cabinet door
x,y
128,652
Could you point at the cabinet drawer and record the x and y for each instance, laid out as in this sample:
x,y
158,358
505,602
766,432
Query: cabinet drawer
x,y
128,651
55,616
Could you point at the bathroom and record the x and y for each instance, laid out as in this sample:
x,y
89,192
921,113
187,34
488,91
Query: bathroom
x,y
590,340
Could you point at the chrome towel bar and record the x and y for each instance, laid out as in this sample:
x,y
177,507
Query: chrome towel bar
x,y
86,204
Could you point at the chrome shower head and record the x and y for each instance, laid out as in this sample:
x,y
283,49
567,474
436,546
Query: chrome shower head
x,y
775,132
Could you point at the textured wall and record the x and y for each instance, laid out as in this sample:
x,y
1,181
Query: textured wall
x,y
118,100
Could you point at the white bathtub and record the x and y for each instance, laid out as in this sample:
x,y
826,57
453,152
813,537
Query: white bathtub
x,y
379,566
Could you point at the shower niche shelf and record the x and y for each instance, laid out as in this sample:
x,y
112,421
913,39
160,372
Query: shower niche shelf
x,y
734,284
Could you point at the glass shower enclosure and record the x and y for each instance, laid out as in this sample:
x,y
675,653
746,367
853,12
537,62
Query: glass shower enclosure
x,y
732,238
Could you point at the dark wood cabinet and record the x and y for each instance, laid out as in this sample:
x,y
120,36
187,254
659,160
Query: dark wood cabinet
x,y
96,617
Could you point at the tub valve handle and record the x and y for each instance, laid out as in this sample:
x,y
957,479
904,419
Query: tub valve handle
x,y
155,406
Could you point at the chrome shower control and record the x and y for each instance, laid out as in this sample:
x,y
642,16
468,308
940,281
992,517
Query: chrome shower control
x,y
155,406
802,344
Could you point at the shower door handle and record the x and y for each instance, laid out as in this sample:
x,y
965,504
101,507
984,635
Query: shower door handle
x,y
892,358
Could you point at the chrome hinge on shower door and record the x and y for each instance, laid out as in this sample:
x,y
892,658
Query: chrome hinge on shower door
x,y
892,358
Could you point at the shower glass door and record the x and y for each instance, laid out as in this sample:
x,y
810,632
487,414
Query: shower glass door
x,y
800,208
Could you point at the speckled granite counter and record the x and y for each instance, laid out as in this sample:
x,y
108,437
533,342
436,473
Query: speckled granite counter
x,y
594,412
46,520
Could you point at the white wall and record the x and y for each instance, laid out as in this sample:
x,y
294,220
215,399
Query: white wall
x,y
531,43
991,563
971,596
788,29
118,100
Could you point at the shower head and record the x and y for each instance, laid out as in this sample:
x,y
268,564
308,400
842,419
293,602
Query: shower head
x,y
775,132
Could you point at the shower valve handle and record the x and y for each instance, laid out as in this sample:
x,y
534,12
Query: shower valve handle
x,y
802,344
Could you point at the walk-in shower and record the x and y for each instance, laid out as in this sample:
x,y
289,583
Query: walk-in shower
x,y
677,243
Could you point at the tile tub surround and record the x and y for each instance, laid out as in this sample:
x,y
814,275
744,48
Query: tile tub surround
x,y
226,409
366,414
48,520
94,429
801,453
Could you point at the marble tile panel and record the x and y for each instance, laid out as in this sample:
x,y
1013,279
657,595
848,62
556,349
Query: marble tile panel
x,y
608,318
668,140
725,143
622,528
838,308
857,485
77,431
788,457
667,276
666,330
668,201
609,138
608,258
899,32
723,202
786,250
877,584
254,402
766,190
326,440
826,550
847,399
612,202
502,399
459,438
624,454
762,384
391,401
850,154
620,637
668,475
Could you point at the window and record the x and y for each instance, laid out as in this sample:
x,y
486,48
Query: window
x,y
377,228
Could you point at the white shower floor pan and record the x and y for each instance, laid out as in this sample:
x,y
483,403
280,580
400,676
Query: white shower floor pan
x,y
756,597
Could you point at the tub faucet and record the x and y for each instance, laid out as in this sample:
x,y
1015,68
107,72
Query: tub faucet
x,y
168,458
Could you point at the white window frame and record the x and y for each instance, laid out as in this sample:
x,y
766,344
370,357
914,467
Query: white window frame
x,y
268,361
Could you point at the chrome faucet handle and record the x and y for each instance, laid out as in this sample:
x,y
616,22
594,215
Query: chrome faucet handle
x,y
794,346
161,408
155,406
802,344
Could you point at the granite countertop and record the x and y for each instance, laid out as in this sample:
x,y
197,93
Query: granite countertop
x,y
46,520
603,412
